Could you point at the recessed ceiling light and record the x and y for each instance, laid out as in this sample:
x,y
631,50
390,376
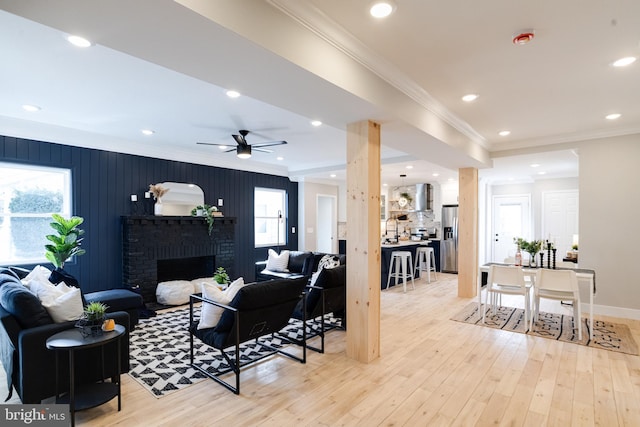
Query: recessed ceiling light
x,y
31,108
409,166
78,41
504,133
385,184
613,116
147,132
534,165
279,158
222,147
450,179
523,38
382,9
333,175
435,174
623,62
233,93
316,123
470,97
541,173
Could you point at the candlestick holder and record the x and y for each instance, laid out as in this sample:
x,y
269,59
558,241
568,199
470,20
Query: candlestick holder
x,y
549,254
554,258
541,260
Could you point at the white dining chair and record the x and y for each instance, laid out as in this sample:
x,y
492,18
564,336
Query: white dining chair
x,y
508,280
560,285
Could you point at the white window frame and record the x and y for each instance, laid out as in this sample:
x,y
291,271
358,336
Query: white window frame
x,y
21,176
270,219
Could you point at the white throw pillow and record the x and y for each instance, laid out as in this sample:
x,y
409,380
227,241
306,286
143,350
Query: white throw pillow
x,y
197,284
328,261
210,314
277,262
63,303
66,307
38,273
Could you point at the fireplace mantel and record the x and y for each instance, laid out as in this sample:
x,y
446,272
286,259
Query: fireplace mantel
x,y
148,239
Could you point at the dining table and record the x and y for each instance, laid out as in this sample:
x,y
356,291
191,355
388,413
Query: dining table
x,y
585,276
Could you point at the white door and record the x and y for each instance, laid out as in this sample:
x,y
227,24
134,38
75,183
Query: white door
x,y
511,218
326,224
560,218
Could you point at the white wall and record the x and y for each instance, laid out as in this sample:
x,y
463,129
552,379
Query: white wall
x,y
609,224
307,200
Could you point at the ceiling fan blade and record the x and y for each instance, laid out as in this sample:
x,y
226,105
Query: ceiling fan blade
x,y
240,139
212,143
268,143
262,150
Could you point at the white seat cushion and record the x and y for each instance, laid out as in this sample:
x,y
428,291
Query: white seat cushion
x,y
174,292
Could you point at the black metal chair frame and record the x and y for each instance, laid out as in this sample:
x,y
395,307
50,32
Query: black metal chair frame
x,y
323,312
234,363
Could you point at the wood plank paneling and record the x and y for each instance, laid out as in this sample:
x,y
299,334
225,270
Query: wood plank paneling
x,y
103,182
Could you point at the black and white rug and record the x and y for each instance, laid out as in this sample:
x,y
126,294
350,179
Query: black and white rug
x,y
159,350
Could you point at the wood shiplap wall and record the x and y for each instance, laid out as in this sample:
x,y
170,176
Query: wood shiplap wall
x,y
103,183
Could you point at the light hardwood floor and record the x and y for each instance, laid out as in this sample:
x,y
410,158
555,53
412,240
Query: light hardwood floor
x,y
433,371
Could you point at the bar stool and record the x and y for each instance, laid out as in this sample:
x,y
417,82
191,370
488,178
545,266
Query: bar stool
x,y
404,266
425,261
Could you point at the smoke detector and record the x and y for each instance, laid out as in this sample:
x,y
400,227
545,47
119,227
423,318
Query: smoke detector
x,y
523,37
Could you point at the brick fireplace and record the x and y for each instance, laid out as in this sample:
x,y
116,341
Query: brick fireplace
x,y
158,248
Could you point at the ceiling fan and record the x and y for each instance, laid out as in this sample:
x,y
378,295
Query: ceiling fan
x,y
243,149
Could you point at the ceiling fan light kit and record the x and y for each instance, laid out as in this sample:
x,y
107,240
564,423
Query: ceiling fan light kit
x,y
243,151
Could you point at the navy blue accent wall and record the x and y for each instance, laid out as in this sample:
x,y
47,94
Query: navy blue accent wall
x,y
103,183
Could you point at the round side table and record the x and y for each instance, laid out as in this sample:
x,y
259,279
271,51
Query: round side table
x,y
87,395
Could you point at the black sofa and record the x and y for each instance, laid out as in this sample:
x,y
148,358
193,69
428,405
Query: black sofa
x,y
301,264
29,365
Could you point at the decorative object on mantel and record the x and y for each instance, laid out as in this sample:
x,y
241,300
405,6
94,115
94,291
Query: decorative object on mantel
x,y
208,212
158,191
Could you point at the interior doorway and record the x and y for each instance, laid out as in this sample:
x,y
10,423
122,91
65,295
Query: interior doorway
x,y
560,218
326,224
511,218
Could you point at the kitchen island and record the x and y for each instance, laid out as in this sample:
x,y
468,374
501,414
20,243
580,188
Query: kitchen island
x,y
406,245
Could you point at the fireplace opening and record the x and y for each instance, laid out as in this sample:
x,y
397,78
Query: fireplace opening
x,y
185,268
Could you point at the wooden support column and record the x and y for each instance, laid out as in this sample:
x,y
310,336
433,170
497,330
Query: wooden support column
x,y
468,232
363,241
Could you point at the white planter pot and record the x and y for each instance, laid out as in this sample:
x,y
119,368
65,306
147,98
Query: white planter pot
x,y
157,209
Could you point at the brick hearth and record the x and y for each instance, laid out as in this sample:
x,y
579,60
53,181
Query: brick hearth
x,y
149,239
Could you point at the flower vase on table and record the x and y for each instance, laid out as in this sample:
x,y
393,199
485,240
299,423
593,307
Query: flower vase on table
x,y
532,260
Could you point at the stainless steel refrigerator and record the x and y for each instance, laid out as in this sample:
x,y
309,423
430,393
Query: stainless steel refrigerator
x,y
449,248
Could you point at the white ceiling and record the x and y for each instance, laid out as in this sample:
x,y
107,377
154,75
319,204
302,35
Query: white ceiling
x,y
157,64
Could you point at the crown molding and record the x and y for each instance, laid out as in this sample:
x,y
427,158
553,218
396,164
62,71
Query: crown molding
x,y
330,31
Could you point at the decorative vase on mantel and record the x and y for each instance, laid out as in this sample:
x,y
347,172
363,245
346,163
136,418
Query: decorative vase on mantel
x,y
157,208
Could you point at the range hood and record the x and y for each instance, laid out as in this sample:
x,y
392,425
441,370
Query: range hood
x,y
424,197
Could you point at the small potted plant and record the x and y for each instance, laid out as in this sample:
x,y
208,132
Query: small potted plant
x,y
221,277
92,318
207,212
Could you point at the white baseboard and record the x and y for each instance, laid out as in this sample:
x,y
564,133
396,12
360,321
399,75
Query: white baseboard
x,y
607,310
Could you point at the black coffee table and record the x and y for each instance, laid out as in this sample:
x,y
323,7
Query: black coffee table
x,y
87,395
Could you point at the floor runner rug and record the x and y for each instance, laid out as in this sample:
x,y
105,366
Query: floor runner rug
x,y
159,350
606,335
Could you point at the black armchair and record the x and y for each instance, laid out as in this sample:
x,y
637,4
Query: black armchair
x,y
258,309
29,365
327,295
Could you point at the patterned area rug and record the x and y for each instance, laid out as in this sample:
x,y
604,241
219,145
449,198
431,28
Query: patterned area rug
x,y
159,351
606,335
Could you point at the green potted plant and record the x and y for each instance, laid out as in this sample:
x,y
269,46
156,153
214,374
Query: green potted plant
x,y
67,242
206,211
92,318
221,277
